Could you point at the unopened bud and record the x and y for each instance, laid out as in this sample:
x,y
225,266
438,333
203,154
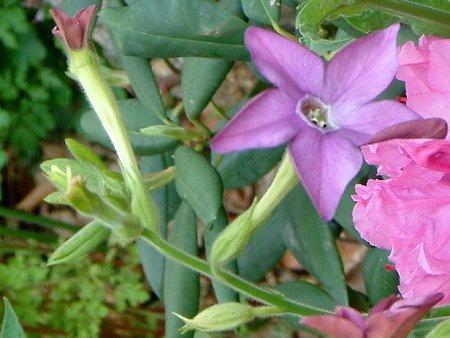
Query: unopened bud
x,y
225,316
233,239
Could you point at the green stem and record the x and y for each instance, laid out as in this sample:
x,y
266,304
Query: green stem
x,y
411,9
38,220
263,295
84,68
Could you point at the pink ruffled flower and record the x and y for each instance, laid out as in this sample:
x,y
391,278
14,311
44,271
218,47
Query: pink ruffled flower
x,y
426,72
323,111
390,318
409,213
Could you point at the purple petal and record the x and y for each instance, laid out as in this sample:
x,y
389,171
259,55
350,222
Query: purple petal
x,y
326,163
352,315
374,117
287,64
266,121
362,70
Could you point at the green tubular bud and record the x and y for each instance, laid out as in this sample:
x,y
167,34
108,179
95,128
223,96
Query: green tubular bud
x,y
84,68
80,197
124,224
224,317
233,239
84,154
82,243
176,132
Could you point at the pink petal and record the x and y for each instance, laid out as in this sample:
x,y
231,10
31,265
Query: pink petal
x,y
410,54
288,65
326,163
439,73
361,70
333,326
431,104
374,117
266,121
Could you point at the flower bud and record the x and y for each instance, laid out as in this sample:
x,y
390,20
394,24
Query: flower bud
x,y
224,316
234,238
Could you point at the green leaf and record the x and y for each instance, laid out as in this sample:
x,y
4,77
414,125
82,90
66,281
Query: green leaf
x,y
305,293
181,284
345,209
174,28
143,82
312,243
73,7
10,327
442,330
136,116
198,183
260,10
380,283
370,20
313,13
242,168
263,251
199,81
80,244
425,326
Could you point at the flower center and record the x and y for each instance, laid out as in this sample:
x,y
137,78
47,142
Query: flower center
x,y
315,112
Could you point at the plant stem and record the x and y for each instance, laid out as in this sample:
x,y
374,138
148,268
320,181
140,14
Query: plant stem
x,y
84,67
263,295
412,10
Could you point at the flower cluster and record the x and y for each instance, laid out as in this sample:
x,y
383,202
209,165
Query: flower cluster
x,y
409,212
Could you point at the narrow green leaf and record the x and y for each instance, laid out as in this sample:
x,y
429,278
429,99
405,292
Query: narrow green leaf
x,y
80,244
10,327
198,183
143,81
263,251
380,283
135,116
242,168
440,331
425,326
199,81
311,241
174,28
260,10
181,284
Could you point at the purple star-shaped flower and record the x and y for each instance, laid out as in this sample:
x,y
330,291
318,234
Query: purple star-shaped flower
x,y
323,111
